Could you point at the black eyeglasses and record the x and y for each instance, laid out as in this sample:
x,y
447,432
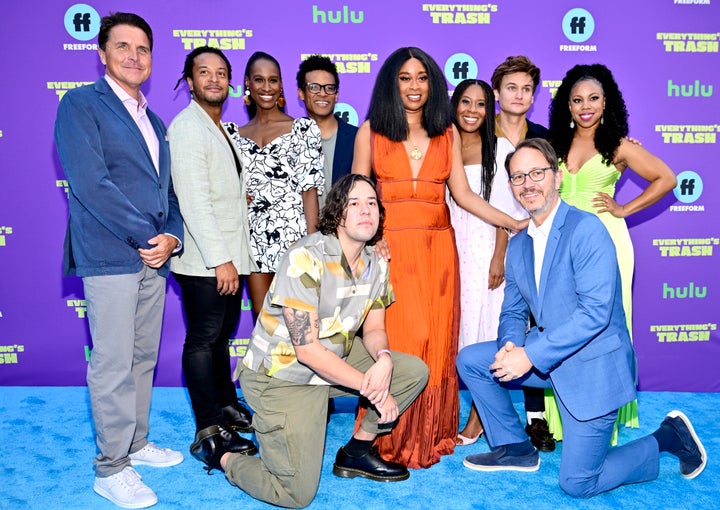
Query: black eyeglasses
x,y
315,88
536,175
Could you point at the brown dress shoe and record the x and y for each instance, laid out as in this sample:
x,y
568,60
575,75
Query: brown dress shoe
x,y
540,435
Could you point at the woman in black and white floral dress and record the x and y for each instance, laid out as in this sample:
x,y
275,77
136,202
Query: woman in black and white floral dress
x,y
282,163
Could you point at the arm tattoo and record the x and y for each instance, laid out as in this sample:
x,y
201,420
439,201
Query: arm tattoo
x,y
298,324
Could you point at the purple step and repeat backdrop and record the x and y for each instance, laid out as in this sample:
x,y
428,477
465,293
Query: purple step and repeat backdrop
x,y
664,54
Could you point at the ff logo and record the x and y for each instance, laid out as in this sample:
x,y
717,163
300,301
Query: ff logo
x,y
689,187
459,67
82,22
578,25
347,113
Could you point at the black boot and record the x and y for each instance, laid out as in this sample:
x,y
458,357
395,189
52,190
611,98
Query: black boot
x,y
235,443
370,465
211,444
238,417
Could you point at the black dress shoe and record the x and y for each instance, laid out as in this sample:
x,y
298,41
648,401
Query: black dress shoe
x,y
238,417
212,442
370,465
540,435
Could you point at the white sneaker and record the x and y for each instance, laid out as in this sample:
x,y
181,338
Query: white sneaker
x,y
151,455
125,489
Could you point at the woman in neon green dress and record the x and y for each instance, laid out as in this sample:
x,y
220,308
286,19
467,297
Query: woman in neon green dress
x,y
588,129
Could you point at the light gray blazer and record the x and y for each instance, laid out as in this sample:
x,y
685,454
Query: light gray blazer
x,y
211,195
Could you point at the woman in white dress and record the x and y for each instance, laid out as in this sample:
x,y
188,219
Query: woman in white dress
x,y
481,246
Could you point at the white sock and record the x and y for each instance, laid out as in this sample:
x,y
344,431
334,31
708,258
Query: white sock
x,y
535,415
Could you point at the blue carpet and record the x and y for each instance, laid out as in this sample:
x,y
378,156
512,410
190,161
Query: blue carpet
x,y
48,447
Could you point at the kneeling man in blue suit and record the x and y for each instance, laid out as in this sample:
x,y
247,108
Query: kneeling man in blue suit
x,y
562,269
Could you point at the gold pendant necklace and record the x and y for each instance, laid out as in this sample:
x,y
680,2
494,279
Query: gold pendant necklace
x,y
415,153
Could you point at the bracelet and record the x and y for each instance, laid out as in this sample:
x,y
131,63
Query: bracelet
x,y
383,351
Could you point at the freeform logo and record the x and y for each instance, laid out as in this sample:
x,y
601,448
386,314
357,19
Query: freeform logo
x,y
578,25
459,67
460,14
347,113
9,354
696,89
4,231
689,187
689,291
82,22
344,15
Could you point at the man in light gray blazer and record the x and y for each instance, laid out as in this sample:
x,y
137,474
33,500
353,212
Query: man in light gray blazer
x,y
207,176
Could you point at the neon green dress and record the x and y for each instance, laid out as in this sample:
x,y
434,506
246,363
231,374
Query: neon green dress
x,y
579,189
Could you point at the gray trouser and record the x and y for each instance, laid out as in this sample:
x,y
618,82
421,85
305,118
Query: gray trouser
x,y
125,315
290,423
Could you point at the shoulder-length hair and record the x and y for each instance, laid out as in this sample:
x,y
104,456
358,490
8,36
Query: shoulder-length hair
x,y
487,131
333,214
386,113
609,133
261,55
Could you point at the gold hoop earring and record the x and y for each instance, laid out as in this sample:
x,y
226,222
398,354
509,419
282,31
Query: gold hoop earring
x,y
281,100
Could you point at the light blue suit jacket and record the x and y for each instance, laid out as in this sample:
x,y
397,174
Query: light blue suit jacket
x,y
117,200
581,339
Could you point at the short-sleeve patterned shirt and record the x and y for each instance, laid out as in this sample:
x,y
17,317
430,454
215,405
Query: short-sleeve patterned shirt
x,y
314,276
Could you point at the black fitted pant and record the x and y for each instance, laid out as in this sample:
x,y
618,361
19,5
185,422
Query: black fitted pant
x,y
211,320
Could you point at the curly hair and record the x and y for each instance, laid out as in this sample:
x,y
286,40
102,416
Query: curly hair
x,y
387,114
261,55
190,62
487,130
316,63
609,133
333,214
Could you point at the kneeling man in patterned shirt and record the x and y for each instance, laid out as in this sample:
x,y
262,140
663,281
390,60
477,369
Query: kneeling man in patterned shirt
x,y
304,349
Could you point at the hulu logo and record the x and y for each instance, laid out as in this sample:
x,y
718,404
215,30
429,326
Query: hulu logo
x,y
688,292
344,15
692,90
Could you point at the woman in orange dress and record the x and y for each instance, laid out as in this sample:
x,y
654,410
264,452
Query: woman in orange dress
x,y
413,149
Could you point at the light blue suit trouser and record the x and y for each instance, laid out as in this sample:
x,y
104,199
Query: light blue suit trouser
x,y
588,465
125,315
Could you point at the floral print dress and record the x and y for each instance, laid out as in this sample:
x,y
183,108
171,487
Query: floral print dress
x,y
275,176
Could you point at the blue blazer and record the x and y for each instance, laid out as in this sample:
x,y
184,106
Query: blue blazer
x,y
581,339
117,200
344,149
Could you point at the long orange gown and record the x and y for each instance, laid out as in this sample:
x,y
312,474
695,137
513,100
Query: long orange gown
x,y
424,320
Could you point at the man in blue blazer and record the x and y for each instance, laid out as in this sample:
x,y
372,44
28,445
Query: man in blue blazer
x,y
562,269
318,85
123,227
